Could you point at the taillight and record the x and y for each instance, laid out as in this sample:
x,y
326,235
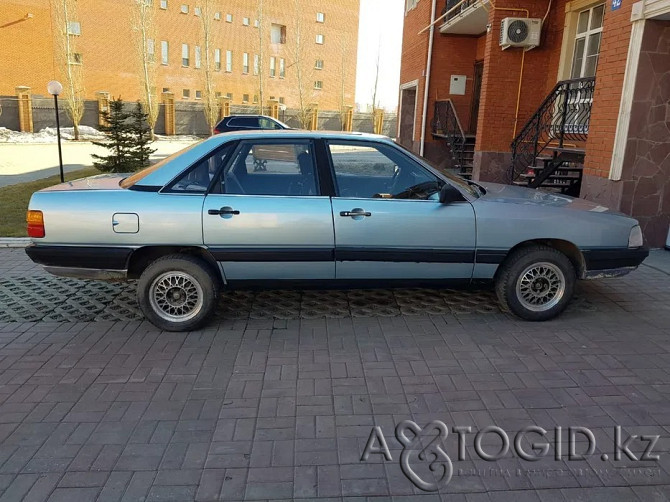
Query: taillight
x,y
35,220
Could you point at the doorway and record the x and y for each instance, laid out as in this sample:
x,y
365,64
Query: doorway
x,y
476,95
407,116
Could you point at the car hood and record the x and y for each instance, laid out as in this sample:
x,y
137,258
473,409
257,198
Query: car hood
x,y
98,182
513,194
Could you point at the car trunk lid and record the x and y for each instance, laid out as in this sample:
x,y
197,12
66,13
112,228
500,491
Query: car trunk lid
x,y
99,182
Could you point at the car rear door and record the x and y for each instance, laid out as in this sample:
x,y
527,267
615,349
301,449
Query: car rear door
x,y
266,218
389,223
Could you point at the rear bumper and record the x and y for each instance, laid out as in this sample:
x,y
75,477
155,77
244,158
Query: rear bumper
x,y
612,262
103,263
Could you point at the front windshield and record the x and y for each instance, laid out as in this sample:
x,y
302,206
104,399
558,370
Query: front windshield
x,y
134,178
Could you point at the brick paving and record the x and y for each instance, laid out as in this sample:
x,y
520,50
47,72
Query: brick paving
x,y
254,409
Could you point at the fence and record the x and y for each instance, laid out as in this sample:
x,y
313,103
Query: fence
x,y
189,117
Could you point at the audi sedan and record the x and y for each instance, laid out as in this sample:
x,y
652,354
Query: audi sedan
x,y
316,209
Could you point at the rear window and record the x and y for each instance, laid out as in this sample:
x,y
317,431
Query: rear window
x,y
244,122
139,175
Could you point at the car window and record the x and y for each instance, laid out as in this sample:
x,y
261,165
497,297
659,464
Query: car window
x,y
261,168
244,122
139,175
268,124
197,178
379,171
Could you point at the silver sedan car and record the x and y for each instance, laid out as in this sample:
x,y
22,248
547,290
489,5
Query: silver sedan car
x,y
278,208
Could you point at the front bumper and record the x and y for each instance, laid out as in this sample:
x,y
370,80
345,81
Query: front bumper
x,y
612,262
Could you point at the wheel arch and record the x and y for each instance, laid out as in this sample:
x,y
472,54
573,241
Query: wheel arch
x,y
142,257
569,249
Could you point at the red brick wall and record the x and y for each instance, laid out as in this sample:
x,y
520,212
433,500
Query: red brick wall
x,y
415,53
609,84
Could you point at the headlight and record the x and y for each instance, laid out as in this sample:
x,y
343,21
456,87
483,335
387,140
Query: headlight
x,y
635,239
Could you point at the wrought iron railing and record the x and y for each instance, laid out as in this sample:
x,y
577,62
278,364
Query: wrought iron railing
x,y
446,125
455,12
563,115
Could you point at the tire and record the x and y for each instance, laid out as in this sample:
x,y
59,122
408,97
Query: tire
x,y
536,283
178,292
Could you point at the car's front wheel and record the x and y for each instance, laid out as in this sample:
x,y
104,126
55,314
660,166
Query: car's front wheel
x,y
178,293
536,283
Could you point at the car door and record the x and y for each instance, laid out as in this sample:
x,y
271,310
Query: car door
x,y
389,223
265,219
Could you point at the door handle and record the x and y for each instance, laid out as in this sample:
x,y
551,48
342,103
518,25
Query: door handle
x,y
223,210
357,211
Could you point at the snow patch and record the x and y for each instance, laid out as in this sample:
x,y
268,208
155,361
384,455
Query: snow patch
x,y
49,135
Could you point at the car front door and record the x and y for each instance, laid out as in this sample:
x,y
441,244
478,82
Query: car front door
x,y
389,223
265,219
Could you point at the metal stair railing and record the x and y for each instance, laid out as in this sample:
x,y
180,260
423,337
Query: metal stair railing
x,y
564,114
447,125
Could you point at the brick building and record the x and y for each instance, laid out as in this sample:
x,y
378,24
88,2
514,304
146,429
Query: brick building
x,y
102,33
580,106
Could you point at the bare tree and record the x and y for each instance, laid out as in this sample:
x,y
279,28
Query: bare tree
x,y
344,46
303,71
261,43
68,59
210,101
376,86
144,30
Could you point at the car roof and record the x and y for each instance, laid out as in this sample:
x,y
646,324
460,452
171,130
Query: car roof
x,y
246,115
174,166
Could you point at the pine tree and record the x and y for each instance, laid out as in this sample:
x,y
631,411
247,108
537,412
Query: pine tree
x,y
119,142
141,131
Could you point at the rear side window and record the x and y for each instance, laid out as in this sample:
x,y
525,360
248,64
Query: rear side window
x,y
251,122
197,178
268,124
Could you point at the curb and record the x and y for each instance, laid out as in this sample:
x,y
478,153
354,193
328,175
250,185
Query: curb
x,y
14,242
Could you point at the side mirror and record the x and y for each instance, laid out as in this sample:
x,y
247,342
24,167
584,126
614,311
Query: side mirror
x,y
450,194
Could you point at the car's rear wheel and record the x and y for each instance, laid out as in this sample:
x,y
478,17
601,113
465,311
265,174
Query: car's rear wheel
x,y
536,283
178,292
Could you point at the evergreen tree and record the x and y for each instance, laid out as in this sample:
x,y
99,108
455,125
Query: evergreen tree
x,y
141,132
119,142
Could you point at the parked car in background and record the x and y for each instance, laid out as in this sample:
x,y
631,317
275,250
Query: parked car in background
x,y
248,122
277,208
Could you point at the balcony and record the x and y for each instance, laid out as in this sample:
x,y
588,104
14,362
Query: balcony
x,y
466,17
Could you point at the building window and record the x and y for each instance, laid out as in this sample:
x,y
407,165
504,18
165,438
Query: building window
x,y
282,68
320,17
198,12
75,58
186,93
229,18
273,69
198,94
164,4
245,63
184,55
245,98
318,64
278,34
229,95
281,100
74,28
257,63
410,4
255,98
587,42
217,59
164,52
318,85
166,89
184,8
151,49
198,56
256,23
217,94
229,61
319,39
217,16
245,21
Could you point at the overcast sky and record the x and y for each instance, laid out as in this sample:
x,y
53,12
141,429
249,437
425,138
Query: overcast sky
x,y
380,29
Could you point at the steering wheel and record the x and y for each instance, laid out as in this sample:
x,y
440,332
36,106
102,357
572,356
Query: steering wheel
x,y
230,176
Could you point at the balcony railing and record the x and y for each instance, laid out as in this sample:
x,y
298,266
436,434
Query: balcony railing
x,y
465,17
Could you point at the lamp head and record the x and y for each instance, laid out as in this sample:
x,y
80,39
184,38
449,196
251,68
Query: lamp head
x,y
54,87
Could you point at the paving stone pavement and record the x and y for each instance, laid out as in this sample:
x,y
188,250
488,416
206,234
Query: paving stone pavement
x,y
282,408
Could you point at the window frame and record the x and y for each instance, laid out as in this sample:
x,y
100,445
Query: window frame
x,y
164,4
586,35
185,49
167,188
320,17
165,51
229,61
184,9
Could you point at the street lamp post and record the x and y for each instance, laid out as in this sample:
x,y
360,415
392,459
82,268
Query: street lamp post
x,y
55,88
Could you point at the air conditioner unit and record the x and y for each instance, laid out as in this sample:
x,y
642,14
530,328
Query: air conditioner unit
x,y
520,32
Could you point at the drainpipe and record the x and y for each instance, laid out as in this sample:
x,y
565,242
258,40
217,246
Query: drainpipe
x,y
427,82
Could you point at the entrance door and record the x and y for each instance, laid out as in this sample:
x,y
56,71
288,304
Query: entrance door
x,y
476,95
407,116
